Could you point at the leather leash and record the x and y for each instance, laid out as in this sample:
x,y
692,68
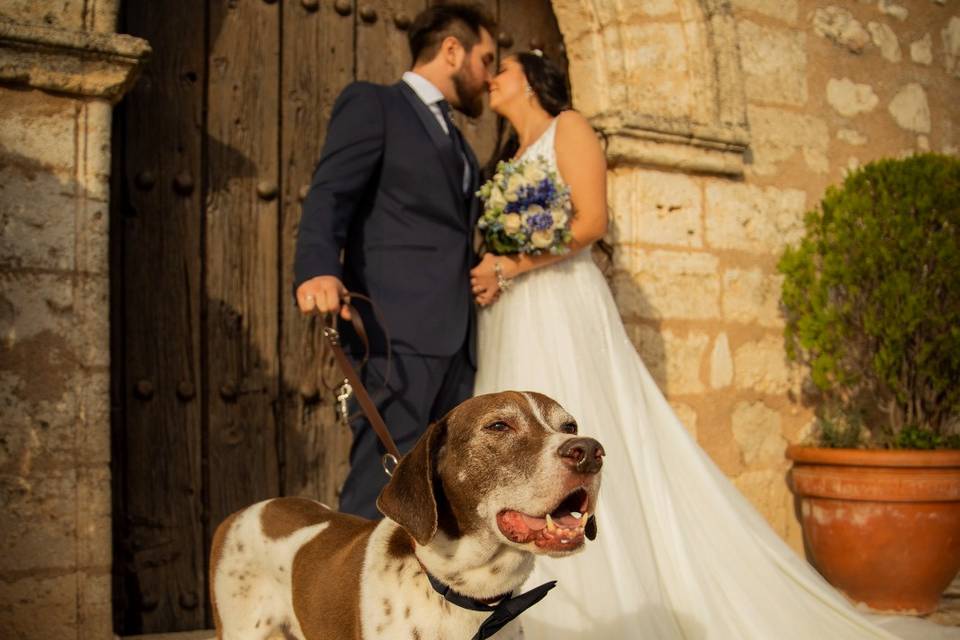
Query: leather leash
x,y
392,457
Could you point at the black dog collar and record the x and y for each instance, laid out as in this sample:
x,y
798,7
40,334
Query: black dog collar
x,y
501,613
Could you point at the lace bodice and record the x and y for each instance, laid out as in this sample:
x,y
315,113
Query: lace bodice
x,y
544,147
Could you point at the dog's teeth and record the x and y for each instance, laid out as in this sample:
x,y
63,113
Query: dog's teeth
x,y
551,525
583,519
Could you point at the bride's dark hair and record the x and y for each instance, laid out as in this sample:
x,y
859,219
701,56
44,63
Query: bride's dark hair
x,y
548,81
550,84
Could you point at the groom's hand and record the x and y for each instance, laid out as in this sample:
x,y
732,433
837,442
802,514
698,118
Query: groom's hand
x,y
322,294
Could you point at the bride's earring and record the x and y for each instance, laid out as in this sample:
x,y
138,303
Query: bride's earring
x,y
527,91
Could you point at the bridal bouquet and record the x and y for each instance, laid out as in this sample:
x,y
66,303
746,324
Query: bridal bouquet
x,y
525,209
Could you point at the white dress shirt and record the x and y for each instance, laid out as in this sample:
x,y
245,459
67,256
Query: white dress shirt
x,y
430,95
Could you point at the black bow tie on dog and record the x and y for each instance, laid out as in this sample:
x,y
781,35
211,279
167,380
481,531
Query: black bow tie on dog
x,y
503,612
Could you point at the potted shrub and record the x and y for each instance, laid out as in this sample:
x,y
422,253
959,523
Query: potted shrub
x,y
871,297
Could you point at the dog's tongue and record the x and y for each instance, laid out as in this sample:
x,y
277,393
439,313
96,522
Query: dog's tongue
x,y
564,534
520,527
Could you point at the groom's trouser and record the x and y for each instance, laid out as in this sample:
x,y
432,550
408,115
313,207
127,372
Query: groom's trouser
x,y
420,390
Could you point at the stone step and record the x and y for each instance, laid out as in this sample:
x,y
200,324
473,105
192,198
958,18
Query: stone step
x,y
182,635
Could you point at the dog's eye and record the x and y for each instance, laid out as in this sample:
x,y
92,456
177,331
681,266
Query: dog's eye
x,y
498,426
570,427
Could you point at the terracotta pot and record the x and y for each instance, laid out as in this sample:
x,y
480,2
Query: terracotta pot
x,y
881,526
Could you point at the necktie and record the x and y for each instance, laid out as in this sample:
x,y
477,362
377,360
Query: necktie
x,y
455,137
501,613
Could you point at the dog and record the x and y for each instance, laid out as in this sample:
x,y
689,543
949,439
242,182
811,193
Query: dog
x,y
500,479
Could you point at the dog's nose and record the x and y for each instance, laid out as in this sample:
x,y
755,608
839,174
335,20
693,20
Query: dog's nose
x,y
583,454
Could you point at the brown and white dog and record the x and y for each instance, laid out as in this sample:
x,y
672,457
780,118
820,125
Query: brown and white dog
x,y
500,479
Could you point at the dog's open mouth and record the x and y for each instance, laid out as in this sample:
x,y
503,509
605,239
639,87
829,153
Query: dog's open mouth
x,y
563,529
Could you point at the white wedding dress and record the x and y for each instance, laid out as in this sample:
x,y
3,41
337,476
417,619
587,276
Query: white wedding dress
x,y
680,552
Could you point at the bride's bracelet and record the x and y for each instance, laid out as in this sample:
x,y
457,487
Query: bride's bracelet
x,y
502,282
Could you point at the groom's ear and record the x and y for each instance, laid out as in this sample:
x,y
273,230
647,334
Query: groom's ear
x,y
453,51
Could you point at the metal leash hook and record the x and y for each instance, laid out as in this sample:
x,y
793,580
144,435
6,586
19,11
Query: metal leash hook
x,y
343,394
389,462
352,385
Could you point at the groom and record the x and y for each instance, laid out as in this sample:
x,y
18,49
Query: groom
x,y
393,192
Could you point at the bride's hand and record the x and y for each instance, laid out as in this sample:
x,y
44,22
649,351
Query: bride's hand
x,y
483,281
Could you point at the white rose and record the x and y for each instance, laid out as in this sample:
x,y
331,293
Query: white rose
x,y
496,200
511,223
514,184
559,218
534,173
542,239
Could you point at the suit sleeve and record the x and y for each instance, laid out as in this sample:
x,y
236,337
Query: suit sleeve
x,y
349,161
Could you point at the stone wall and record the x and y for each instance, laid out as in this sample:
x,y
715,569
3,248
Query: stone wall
x,y
826,86
57,80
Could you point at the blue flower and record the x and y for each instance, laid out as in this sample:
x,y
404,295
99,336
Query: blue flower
x,y
540,221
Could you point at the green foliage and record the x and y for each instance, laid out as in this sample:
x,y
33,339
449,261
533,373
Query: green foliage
x,y
871,295
914,437
839,432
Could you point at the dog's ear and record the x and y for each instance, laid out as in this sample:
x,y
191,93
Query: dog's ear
x,y
408,499
591,529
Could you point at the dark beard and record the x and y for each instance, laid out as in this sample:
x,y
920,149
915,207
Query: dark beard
x,y
470,105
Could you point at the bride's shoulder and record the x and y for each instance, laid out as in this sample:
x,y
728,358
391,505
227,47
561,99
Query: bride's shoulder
x,y
576,136
572,127
571,120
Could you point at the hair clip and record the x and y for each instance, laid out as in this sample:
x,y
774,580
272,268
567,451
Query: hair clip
x,y
537,52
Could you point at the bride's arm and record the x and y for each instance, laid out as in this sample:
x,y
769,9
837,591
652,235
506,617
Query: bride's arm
x,y
583,167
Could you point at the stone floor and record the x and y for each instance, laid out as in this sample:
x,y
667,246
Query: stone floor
x,y
949,611
947,615
186,635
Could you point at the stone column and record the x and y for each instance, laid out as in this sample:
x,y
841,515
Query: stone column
x,y
61,69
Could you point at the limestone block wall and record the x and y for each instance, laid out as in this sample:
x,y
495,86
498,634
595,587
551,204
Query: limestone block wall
x,y
55,533
55,549
826,86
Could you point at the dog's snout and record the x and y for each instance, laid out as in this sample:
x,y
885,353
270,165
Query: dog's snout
x,y
583,454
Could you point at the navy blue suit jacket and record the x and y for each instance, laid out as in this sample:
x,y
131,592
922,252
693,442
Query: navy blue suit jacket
x,y
386,193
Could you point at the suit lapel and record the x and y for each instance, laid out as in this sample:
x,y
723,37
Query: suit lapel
x,y
440,140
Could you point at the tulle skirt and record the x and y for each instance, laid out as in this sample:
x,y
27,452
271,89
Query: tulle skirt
x,y
680,552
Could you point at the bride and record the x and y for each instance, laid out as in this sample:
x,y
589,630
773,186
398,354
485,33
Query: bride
x,y
680,552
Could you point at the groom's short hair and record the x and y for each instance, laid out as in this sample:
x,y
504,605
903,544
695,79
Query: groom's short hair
x,y
432,25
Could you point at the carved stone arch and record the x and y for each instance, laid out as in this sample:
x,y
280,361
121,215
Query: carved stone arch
x,y
660,79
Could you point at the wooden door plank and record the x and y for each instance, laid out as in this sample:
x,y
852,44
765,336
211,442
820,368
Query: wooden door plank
x,y
383,53
532,24
318,55
242,253
159,546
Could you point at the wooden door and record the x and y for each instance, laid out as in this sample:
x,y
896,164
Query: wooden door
x,y
217,380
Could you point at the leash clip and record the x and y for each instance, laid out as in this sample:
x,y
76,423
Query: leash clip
x,y
343,394
389,462
330,331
